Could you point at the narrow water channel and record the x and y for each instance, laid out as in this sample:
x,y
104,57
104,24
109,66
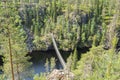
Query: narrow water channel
x,y
38,59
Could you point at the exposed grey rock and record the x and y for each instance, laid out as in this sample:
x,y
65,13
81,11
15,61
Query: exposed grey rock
x,y
60,75
26,17
78,17
29,40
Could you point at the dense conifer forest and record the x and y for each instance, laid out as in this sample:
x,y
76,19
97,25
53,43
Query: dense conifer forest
x,y
27,25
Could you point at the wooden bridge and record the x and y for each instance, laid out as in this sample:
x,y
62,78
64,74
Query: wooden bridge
x,y
60,74
58,53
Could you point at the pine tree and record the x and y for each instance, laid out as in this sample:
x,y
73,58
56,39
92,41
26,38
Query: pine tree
x,y
52,63
74,59
69,62
13,44
47,66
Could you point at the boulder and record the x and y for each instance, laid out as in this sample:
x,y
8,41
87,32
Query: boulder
x,y
60,75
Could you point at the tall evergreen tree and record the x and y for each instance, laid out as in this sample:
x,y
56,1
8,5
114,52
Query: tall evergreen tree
x,y
74,59
13,43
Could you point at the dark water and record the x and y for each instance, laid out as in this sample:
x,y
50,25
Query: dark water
x,y
38,58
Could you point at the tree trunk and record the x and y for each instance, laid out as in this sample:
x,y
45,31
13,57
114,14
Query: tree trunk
x,y
18,71
10,53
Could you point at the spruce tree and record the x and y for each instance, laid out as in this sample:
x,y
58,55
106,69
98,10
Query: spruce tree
x,y
13,44
74,59
52,63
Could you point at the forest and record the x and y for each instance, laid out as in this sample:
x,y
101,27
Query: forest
x,y
27,26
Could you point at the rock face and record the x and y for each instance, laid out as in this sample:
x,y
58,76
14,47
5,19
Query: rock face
x,y
29,40
79,17
27,13
60,75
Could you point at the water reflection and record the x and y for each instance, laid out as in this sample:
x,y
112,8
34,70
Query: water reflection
x,y
38,58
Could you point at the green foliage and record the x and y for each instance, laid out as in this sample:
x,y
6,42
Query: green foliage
x,y
2,77
69,62
52,63
13,48
47,65
74,23
114,42
74,59
98,64
39,77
